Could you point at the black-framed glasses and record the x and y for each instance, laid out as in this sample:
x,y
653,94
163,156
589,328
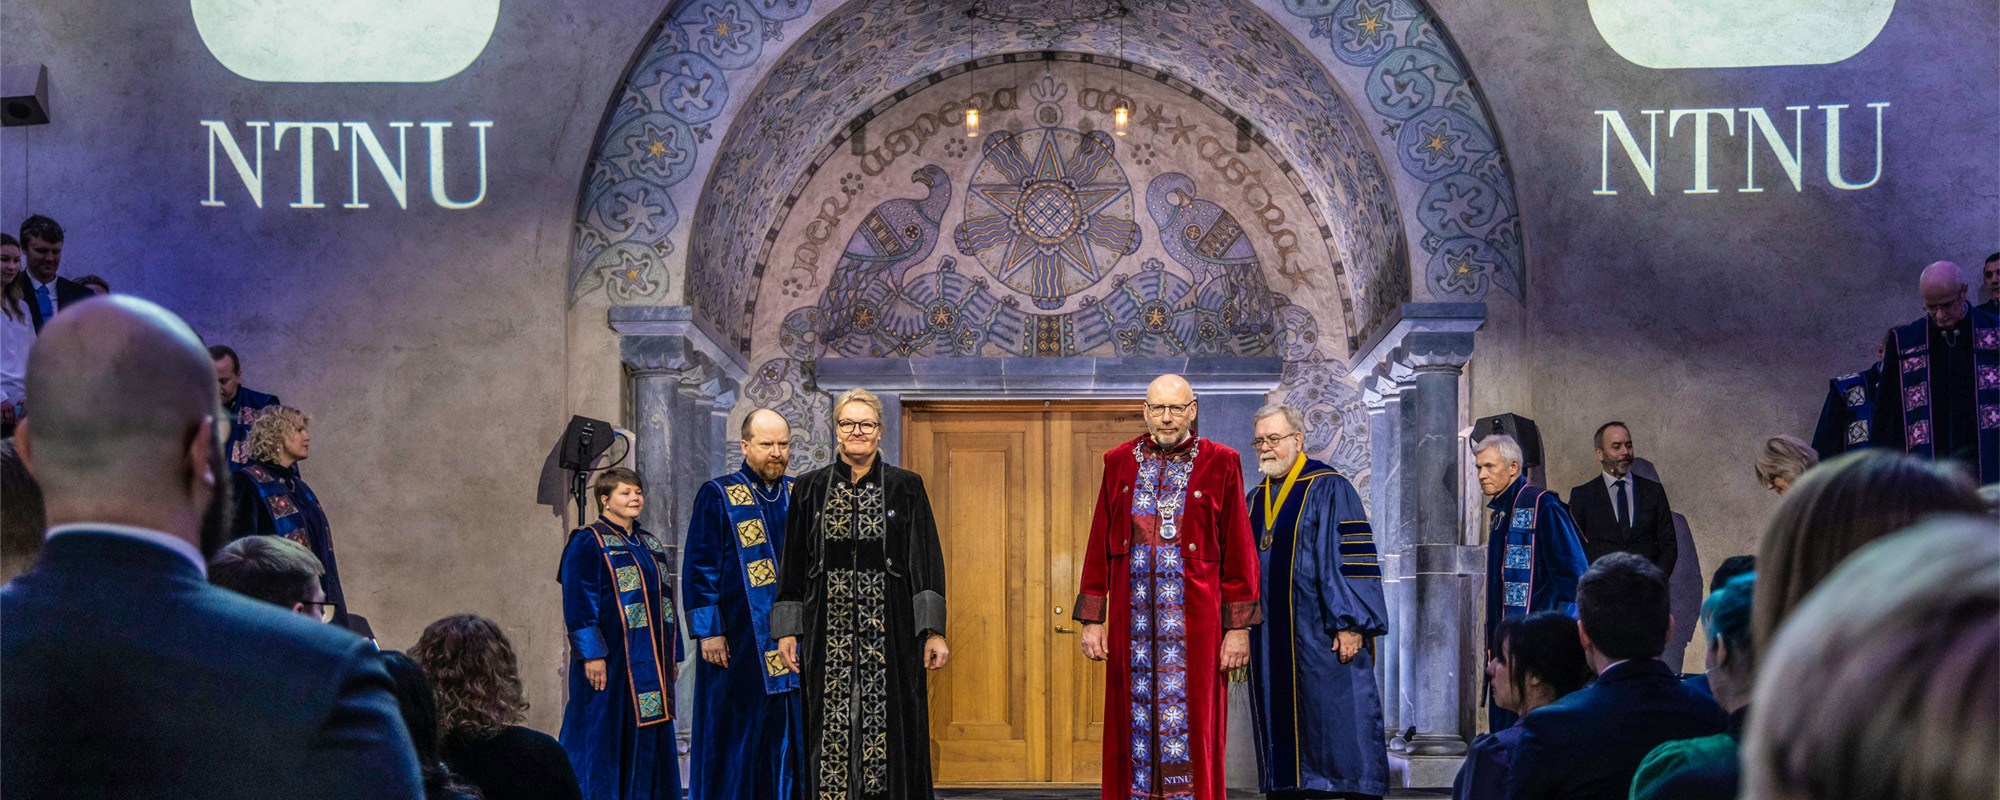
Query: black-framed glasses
x,y
857,426
1175,411
1263,442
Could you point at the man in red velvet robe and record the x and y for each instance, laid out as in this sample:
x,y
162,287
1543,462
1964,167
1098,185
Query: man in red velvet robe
x,y
1169,592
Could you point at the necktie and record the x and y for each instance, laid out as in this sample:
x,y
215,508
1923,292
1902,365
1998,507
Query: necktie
x,y
1624,513
42,299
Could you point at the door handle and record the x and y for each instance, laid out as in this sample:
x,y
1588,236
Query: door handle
x,y
1059,627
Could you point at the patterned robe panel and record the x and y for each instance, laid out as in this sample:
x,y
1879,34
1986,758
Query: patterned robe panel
x,y
861,585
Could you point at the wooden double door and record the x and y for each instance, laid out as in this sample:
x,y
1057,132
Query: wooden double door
x,y
1013,486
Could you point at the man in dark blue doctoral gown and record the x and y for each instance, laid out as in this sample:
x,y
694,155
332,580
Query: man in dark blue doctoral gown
x,y
1533,553
746,701
1318,715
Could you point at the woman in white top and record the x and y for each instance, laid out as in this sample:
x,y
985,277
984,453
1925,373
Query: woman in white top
x,y
17,333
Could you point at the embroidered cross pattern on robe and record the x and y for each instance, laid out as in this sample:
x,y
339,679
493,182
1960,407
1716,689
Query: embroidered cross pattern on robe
x,y
628,579
855,686
1162,763
761,572
649,705
635,615
739,495
1520,557
750,533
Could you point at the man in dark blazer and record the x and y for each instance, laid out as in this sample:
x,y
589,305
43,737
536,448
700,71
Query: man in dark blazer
x,y
1587,745
41,251
1622,512
127,674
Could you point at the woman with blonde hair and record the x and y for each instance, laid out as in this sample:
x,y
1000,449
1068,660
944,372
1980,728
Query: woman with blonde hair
x,y
1784,459
272,500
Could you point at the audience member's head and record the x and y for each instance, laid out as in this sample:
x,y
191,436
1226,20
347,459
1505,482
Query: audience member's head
x,y
1622,608
1784,459
1942,287
1730,568
1732,656
97,285
42,241
124,425
475,676
1498,459
273,569
419,705
279,436
1534,660
620,495
22,523
1882,685
1836,508
15,301
228,370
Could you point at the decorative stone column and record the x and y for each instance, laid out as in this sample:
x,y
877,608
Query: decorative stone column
x,y
1417,357
1433,478
1380,396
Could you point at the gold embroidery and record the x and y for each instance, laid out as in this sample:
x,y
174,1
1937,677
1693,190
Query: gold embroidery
x,y
774,664
739,495
750,533
761,572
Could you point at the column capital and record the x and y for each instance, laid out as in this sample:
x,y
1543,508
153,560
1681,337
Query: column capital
x,y
681,321
1436,351
667,355
1410,318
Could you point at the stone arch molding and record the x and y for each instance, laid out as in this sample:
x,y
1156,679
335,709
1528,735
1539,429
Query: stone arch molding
x,y
671,118
741,96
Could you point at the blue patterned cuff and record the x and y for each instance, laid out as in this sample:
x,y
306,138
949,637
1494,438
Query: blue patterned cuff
x,y
788,618
705,622
588,643
929,608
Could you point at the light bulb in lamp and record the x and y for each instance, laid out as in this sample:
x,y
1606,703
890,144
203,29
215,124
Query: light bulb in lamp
x,y
1118,118
972,123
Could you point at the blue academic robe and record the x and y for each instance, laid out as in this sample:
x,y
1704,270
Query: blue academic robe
x,y
1318,721
746,715
617,607
1533,560
244,409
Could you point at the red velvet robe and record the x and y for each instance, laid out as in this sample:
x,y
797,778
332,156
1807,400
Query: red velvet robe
x,y
1189,552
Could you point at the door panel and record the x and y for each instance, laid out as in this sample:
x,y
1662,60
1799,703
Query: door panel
x,y
978,469
1013,487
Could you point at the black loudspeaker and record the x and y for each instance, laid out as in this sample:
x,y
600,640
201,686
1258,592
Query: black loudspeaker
x,y
583,442
1521,428
24,95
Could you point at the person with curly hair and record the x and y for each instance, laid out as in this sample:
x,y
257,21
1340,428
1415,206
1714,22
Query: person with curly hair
x,y
420,714
273,500
477,682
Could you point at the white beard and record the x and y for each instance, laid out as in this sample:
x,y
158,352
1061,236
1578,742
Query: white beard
x,y
1275,467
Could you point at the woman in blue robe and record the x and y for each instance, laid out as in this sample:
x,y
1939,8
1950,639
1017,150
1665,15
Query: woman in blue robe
x,y
624,649
1534,660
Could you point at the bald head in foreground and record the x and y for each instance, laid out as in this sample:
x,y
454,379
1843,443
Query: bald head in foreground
x,y
1937,399
1168,594
128,675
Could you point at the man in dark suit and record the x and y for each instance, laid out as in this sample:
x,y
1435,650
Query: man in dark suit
x,y
1587,745
128,675
47,293
1622,512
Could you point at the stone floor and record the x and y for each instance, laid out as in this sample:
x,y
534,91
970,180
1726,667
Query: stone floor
x,y
1066,793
